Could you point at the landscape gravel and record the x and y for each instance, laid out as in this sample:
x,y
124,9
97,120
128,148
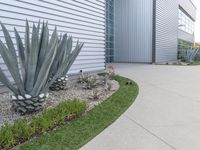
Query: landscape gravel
x,y
74,90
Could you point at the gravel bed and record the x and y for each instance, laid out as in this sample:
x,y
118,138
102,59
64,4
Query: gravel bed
x,y
74,90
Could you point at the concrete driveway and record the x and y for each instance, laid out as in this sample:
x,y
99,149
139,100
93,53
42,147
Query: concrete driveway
x,y
165,116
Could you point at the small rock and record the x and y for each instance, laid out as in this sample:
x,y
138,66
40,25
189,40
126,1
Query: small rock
x,y
20,97
27,96
41,95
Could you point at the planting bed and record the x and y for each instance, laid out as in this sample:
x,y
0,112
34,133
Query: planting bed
x,y
74,90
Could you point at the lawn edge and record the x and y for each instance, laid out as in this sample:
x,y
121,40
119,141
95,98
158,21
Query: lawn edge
x,y
98,131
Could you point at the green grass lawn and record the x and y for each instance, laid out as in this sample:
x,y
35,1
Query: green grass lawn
x,y
196,62
76,133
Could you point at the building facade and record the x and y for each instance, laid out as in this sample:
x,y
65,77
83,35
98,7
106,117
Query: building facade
x,y
144,31
151,31
83,19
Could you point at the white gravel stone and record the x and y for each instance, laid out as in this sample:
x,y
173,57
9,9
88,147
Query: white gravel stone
x,y
13,97
27,96
20,97
41,95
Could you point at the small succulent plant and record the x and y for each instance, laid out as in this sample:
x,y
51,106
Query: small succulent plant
x,y
90,82
96,94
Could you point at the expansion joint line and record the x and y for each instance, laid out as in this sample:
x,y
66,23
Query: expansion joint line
x,y
159,138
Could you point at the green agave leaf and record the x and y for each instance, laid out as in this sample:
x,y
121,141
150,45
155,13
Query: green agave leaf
x,y
38,27
69,48
68,51
60,52
15,73
27,49
32,60
9,42
44,40
10,63
21,50
73,56
27,40
7,83
48,60
67,62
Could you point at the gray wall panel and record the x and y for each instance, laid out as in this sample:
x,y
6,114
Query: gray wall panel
x,y
189,7
185,36
84,20
133,30
166,30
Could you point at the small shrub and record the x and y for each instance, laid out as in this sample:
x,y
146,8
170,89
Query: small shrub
x,y
96,94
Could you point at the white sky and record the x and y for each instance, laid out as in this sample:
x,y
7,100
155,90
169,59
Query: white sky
x,y
197,25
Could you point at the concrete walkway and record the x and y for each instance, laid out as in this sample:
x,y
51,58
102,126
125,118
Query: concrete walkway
x,y
165,116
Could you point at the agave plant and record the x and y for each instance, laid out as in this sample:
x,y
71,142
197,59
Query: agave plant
x,y
33,71
66,54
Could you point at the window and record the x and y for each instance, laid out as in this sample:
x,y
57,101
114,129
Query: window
x,y
109,31
185,23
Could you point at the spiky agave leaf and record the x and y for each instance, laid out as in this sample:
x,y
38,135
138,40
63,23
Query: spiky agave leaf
x,y
27,49
32,60
9,42
44,40
48,60
8,84
9,57
62,67
73,56
68,50
21,51
60,52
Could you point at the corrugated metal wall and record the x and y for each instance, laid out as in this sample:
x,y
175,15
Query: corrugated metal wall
x,y
133,30
83,19
166,30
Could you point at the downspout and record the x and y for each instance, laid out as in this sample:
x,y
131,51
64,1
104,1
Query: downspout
x,y
154,33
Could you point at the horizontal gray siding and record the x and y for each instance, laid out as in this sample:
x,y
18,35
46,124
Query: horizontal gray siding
x,y
185,36
189,7
190,10
84,20
133,30
166,30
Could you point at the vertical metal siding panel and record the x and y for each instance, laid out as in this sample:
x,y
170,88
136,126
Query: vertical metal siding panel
x,y
166,30
84,20
133,30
